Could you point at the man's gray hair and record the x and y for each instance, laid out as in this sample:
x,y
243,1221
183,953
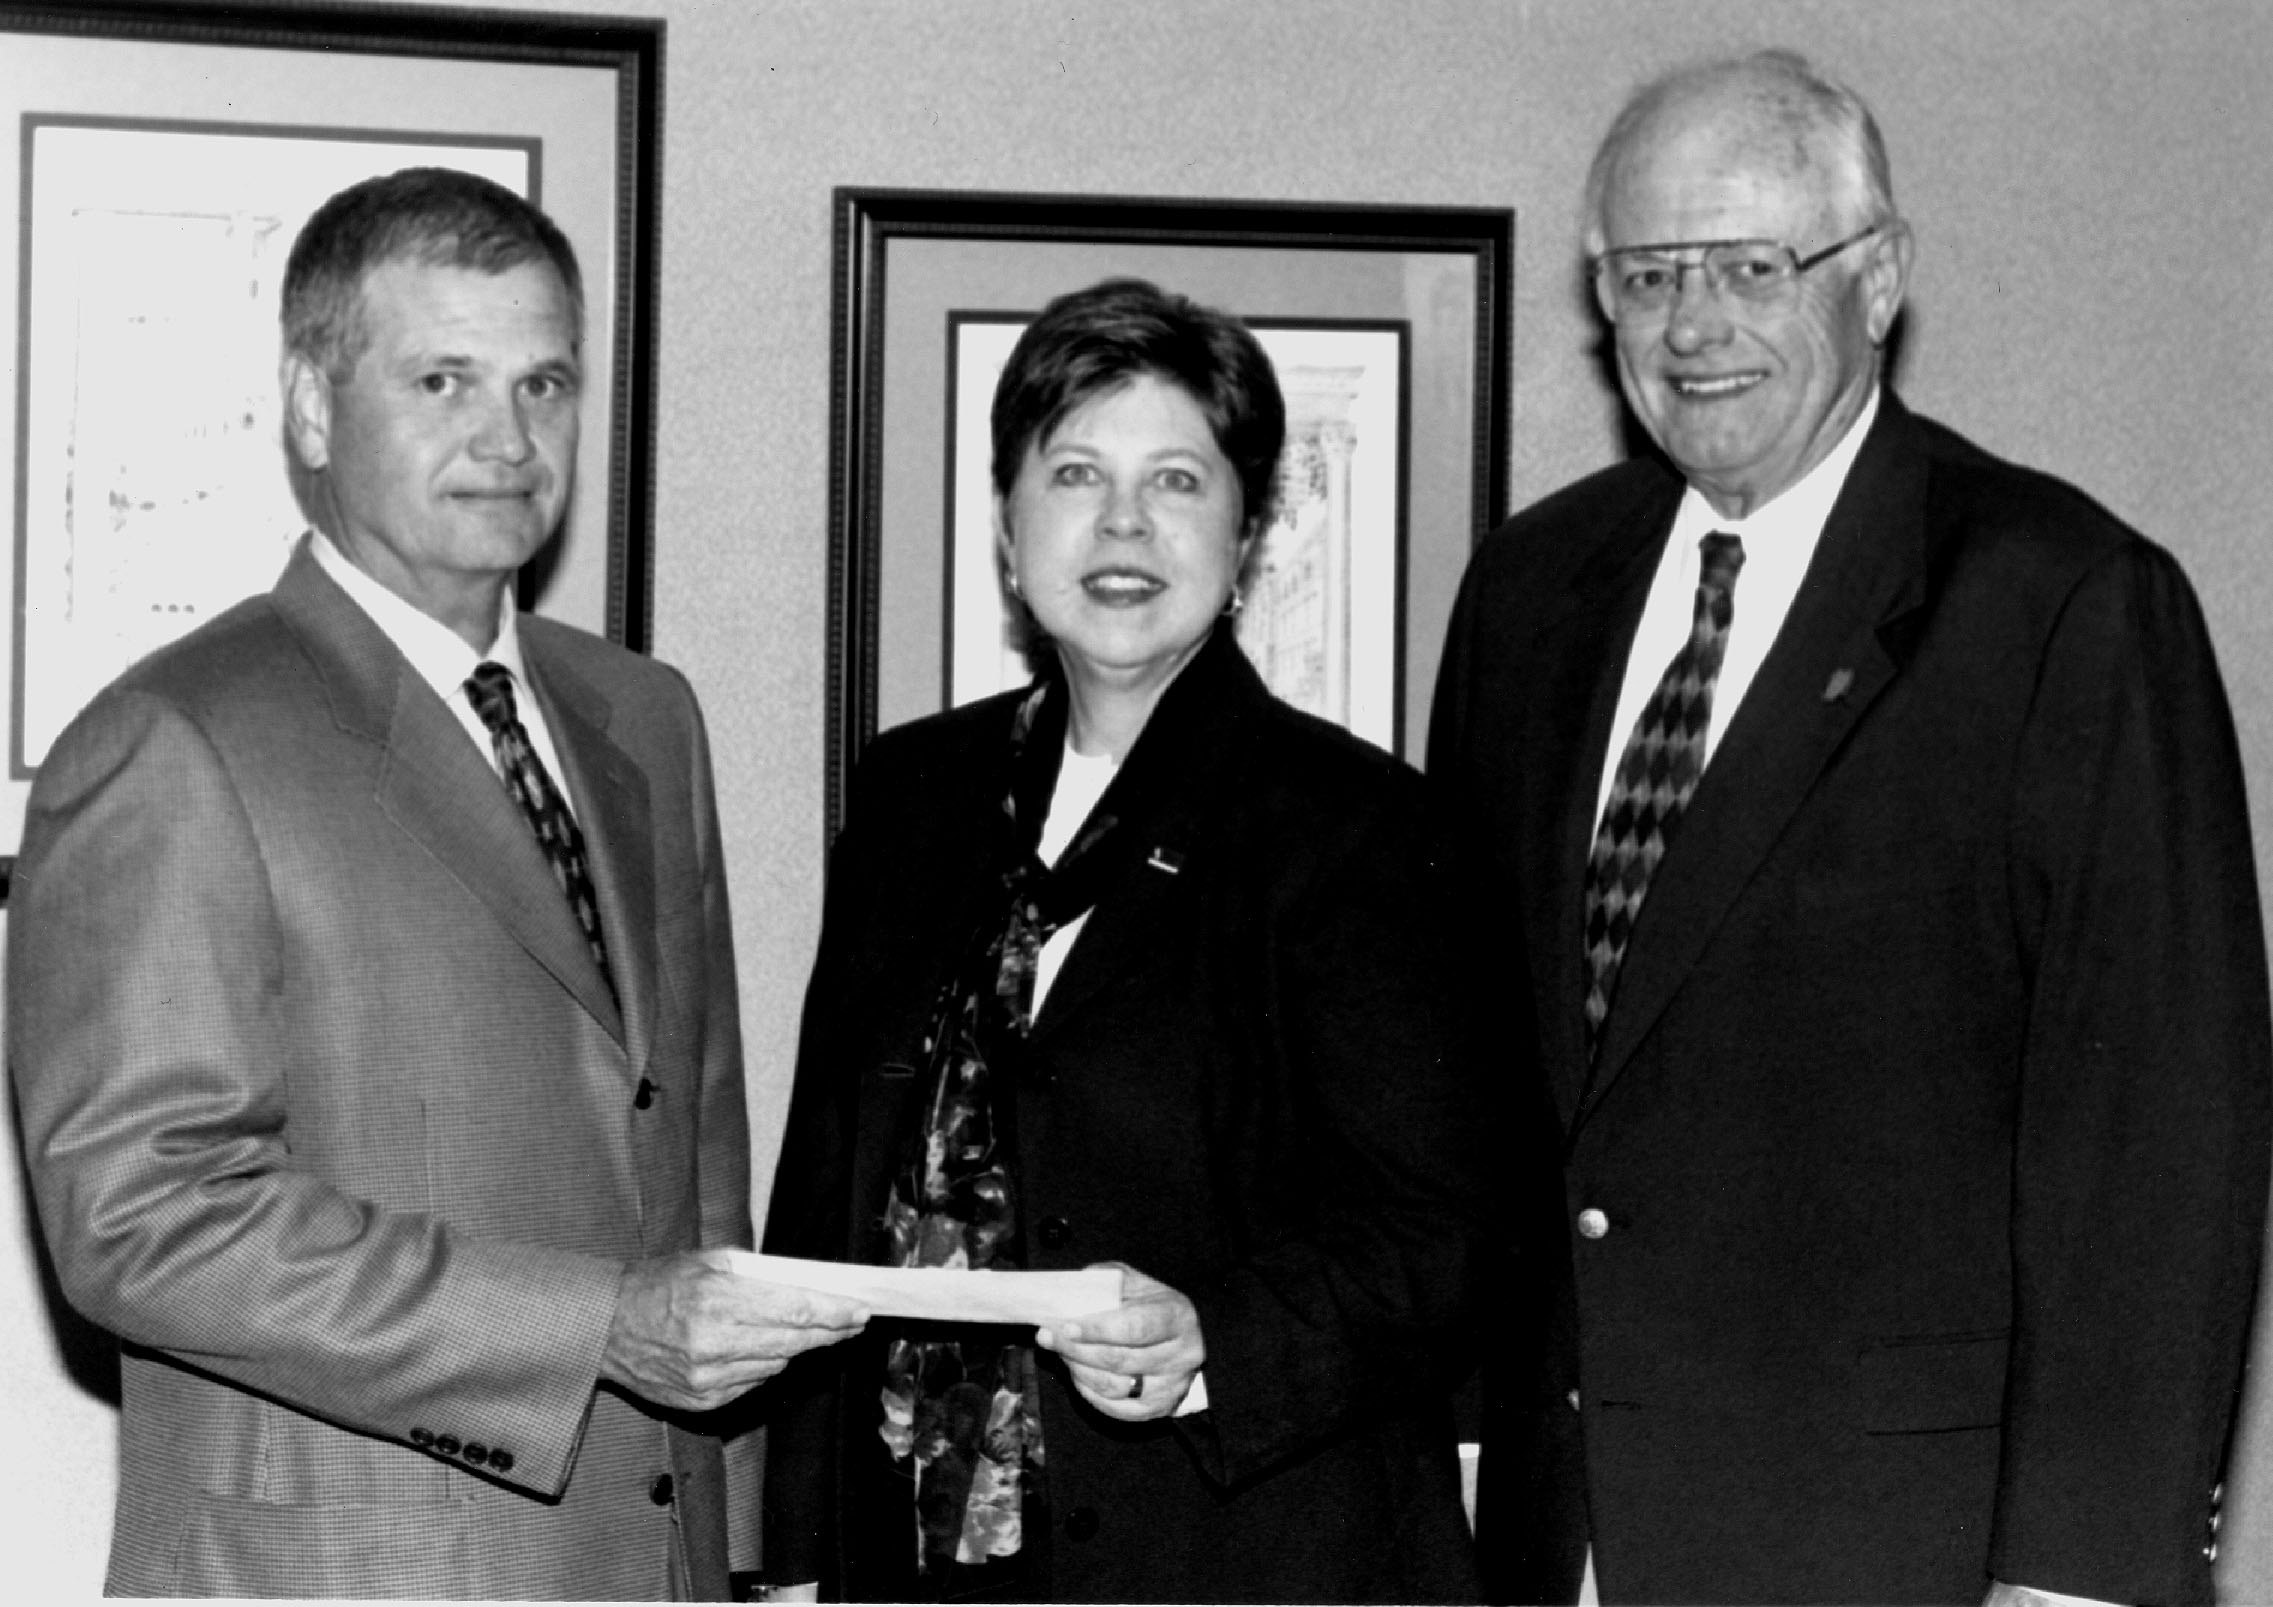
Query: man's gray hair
x,y
436,217
1791,102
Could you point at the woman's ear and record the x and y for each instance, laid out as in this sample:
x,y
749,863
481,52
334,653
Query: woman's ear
x,y
1005,547
1250,554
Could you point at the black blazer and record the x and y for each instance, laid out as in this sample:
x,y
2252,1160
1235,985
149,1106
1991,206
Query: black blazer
x,y
1931,1124
1247,1081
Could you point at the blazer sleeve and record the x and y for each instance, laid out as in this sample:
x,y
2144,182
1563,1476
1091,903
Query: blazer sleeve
x,y
153,1065
724,1134
809,1215
2141,1168
1370,1306
723,1131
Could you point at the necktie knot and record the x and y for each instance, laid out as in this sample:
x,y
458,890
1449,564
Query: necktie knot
x,y
1723,557
490,690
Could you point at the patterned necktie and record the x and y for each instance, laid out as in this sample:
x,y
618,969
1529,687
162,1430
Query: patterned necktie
x,y
1657,774
490,689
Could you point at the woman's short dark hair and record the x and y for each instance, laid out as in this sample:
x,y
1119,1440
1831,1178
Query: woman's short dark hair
x,y
1092,341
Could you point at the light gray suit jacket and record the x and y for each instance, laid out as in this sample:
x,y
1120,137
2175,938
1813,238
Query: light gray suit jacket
x,y
332,1119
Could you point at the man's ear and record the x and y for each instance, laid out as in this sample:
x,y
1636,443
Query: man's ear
x,y
307,411
1886,277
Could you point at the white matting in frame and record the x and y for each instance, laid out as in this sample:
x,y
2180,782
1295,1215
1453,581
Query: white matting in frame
x,y
155,494
1323,609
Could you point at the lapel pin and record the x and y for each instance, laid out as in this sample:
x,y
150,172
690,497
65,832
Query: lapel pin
x,y
1167,859
1836,688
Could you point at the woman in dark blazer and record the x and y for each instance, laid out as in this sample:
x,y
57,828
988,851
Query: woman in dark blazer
x,y
1135,966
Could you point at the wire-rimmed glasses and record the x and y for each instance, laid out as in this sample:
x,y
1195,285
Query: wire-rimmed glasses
x,y
1640,282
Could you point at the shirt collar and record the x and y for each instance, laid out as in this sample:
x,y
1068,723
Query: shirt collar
x,y
439,654
1797,516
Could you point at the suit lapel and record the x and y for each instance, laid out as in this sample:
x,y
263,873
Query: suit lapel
x,y
1581,670
434,783
1125,929
1133,922
608,791
1843,642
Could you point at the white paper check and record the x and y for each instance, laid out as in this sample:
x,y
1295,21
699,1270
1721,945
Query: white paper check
x,y
944,1293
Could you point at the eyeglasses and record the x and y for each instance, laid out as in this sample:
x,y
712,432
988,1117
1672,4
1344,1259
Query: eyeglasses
x,y
1636,282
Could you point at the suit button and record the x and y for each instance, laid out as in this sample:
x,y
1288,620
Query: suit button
x,y
502,1461
1592,1224
476,1453
447,1444
1573,1399
660,1491
423,1438
1056,1234
1081,1524
645,1097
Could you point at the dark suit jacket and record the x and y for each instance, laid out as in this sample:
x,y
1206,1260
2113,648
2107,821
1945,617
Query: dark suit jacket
x,y
1931,1121
332,1119
1246,1083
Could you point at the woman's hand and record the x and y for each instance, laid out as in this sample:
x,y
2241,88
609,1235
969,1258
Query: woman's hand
x,y
1137,1361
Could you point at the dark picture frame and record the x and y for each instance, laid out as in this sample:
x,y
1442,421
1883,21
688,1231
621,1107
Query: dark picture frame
x,y
911,265
581,95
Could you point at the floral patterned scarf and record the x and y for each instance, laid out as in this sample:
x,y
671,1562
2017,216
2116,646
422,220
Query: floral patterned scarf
x,y
960,1405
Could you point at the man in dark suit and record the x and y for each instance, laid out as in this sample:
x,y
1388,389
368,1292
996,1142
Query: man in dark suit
x,y
1859,816
372,1002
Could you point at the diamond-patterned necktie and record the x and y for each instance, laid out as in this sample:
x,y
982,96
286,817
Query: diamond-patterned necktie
x,y
490,689
1657,774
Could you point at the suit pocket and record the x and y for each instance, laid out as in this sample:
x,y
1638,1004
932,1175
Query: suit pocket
x,y
236,1547
1933,1383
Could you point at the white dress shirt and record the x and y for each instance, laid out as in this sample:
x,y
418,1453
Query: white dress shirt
x,y
1779,541
1081,782
444,661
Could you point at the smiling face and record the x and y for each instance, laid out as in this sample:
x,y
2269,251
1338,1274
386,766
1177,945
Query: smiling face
x,y
1125,533
1745,400
446,453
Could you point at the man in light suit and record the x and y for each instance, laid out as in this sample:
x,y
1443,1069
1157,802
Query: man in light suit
x,y
372,1014
1859,817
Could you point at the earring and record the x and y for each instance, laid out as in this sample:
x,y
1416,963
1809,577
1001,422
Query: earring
x,y
1233,605
1010,578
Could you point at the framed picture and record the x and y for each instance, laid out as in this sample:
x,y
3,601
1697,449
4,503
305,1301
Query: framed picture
x,y
167,155
1389,330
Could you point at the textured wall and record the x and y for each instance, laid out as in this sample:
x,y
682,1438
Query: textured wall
x,y
2088,182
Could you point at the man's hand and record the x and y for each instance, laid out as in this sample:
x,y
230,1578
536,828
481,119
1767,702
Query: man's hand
x,y
1149,1343
691,1335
